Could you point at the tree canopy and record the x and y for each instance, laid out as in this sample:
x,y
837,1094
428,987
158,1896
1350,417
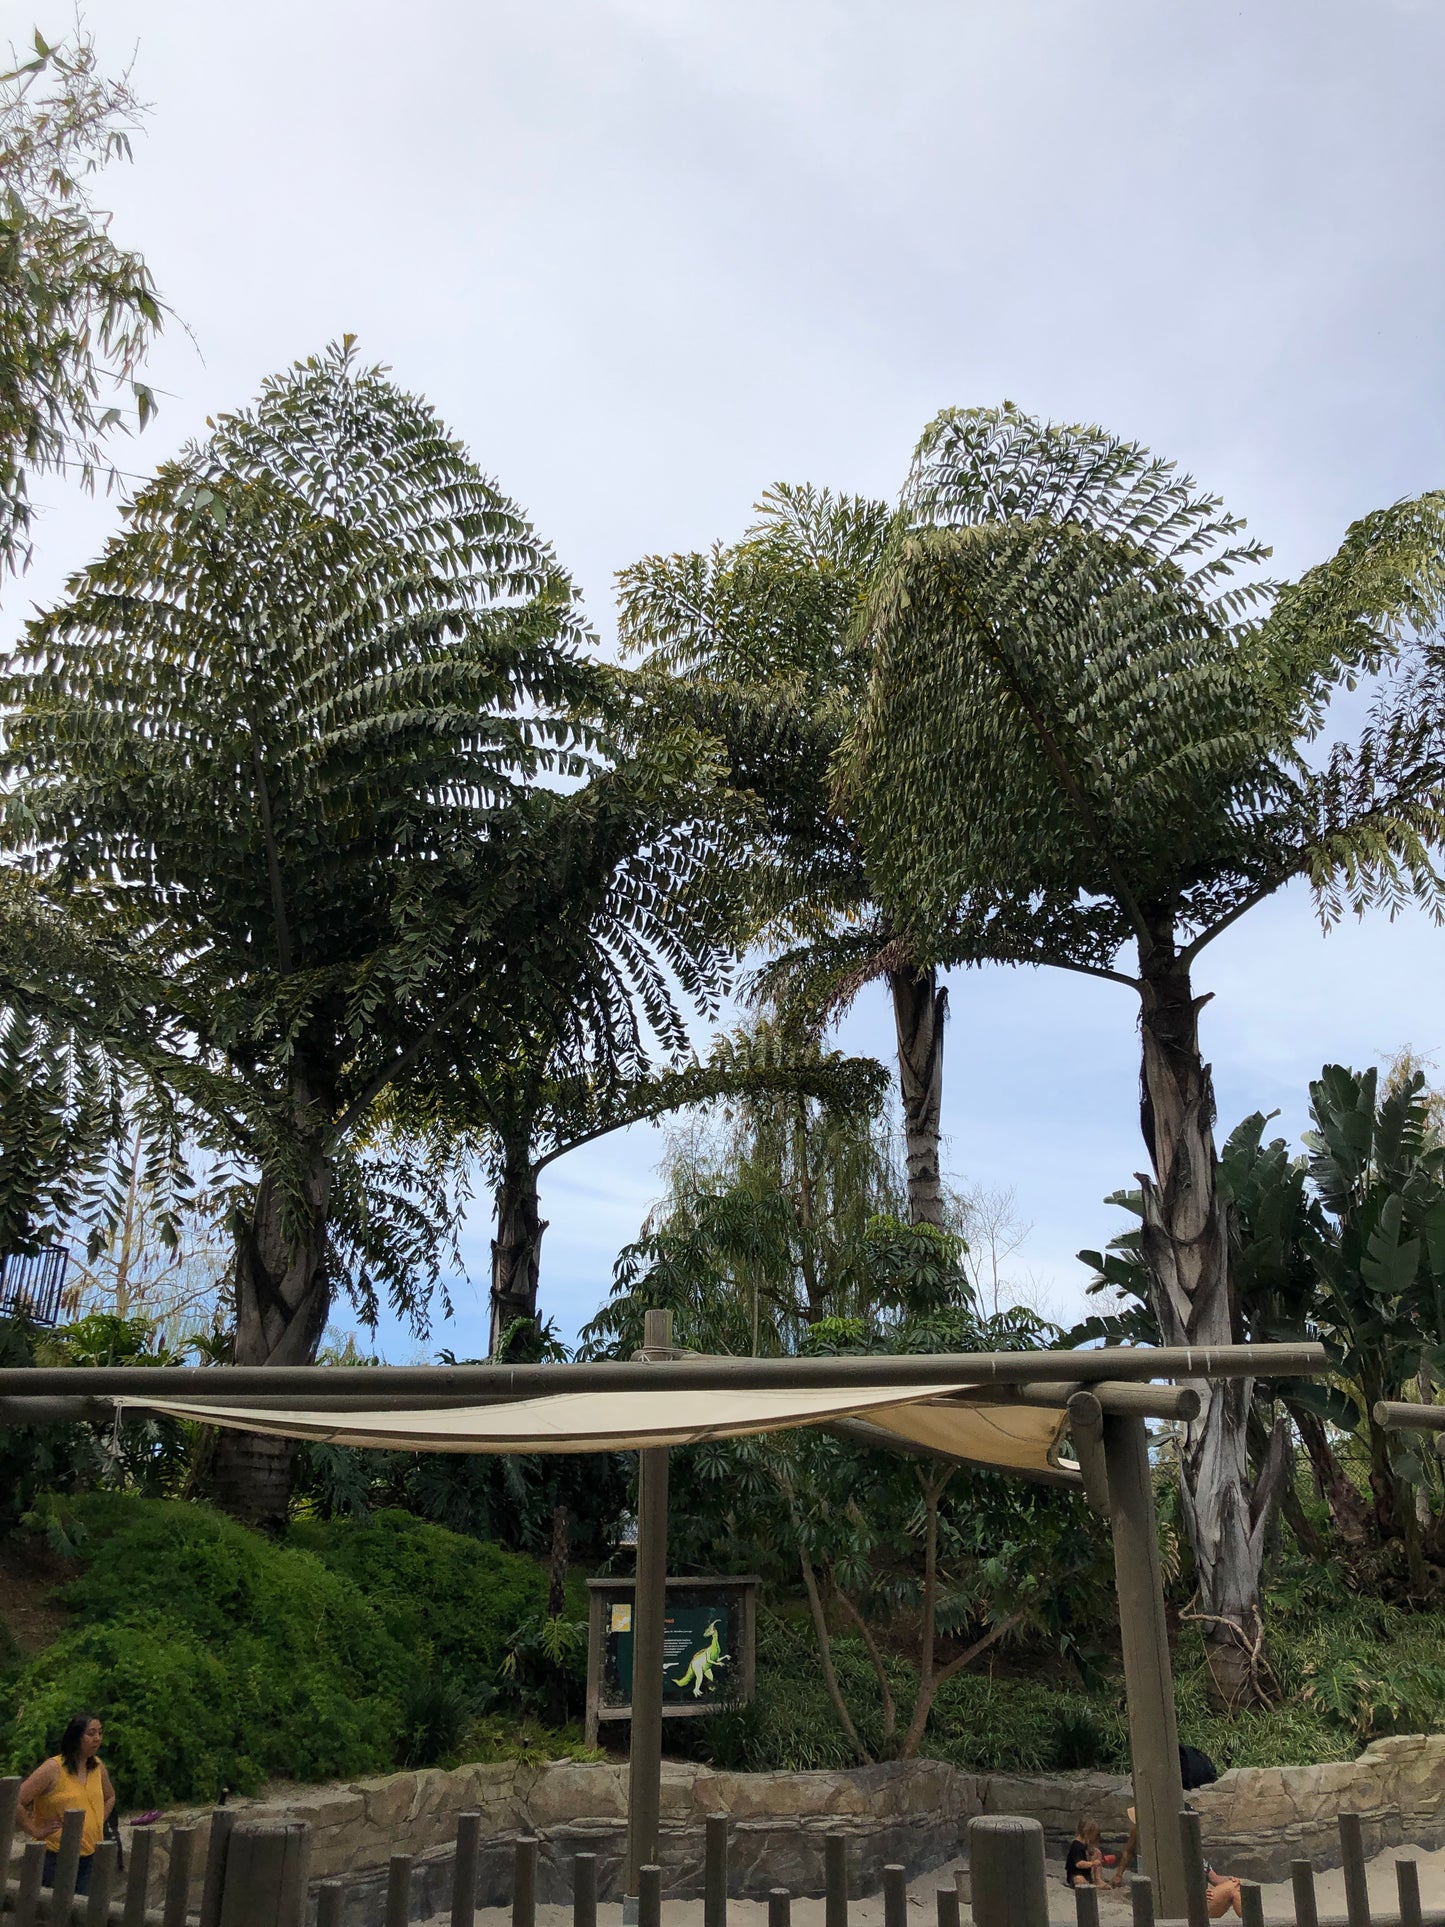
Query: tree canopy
x,y
77,311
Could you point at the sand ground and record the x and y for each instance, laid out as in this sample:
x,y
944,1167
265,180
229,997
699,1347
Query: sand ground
x,y
1113,1909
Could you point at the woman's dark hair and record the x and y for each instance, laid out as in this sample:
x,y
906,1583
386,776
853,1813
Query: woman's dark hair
x,y
72,1736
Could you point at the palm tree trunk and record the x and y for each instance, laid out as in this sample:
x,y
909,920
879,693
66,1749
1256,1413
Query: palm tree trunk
x,y
517,1247
283,1295
920,1004
1185,1245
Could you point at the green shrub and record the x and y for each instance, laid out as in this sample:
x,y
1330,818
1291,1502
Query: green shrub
x,y
446,1600
215,1656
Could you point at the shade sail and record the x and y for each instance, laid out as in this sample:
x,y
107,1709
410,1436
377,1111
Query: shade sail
x,y
930,1417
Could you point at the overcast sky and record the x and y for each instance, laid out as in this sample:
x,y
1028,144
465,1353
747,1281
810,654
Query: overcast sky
x,y
648,256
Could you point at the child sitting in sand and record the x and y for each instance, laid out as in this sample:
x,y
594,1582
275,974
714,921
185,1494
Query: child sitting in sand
x,y
1083,1863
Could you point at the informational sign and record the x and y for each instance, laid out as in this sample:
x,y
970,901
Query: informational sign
x,y
707,1647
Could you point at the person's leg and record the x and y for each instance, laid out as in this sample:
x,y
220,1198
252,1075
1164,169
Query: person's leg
x,y
1224,1898
82,1873
47,1869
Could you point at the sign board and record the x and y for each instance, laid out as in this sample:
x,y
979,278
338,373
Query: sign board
x,y
708,1647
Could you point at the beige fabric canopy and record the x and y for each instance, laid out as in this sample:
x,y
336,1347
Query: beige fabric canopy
x,y
933,1418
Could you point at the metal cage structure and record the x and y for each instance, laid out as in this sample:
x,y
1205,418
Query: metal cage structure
x,y
31,1284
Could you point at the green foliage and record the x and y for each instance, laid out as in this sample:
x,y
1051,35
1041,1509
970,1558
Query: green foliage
x,y
784,1206
287,729
77,312
1075,722
546,1666
406,1569
219,1658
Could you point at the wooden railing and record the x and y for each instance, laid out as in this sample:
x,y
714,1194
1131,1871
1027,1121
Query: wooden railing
x,y
255,1874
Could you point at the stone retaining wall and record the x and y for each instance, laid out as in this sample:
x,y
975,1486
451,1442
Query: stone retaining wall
x,y
1256,1819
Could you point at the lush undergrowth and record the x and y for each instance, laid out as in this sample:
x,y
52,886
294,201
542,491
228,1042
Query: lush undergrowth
x,y
1347,1669
221,1658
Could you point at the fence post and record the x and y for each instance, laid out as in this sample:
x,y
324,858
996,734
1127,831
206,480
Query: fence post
x,y
1251,1903
1196,1887
715,1873
27,1894
584,1890
1306,1909
265,1876
1086,1906
102,1884
398,1891
947,1903
1006,1857
217,1838
1141,1900
1407,1884
1352,1854
464,1874
9,1804
67,1867
138,1877
178,1876
524,1882
835,1880
649,1896
328,1903
895,1895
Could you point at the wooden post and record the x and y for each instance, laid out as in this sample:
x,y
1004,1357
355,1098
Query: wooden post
x,y
780,1907
1352,1853
102,1884
1148,1680
649,1896
328,1903
1407,1885
137,1877
715,1873
178,1877
524,1882
217,1840
1196,1887
1086,1907
67,1866
1306,1907
584,1890
1141,1900
649,1614
464,1870
835,1880
9,1805
27,1894
1006,1857
948,1909
895,1895
398,1891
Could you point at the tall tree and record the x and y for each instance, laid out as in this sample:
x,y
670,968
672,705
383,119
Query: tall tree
x,y
77,311
1085,735
759,641
271,765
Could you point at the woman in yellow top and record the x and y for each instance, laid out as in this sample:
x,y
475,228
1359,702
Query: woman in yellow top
x,y
75,1777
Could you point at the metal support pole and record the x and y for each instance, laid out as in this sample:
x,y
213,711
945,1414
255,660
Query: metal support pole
x,y
1148,1680
649,1613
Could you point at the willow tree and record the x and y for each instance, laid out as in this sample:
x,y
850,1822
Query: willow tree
x,y
1089,738
265,763
759,641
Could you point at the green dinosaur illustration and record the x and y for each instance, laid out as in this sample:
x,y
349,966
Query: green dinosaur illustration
x,y
699,1667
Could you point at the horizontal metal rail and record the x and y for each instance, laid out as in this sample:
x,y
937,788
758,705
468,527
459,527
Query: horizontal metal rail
x,y
377,1384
